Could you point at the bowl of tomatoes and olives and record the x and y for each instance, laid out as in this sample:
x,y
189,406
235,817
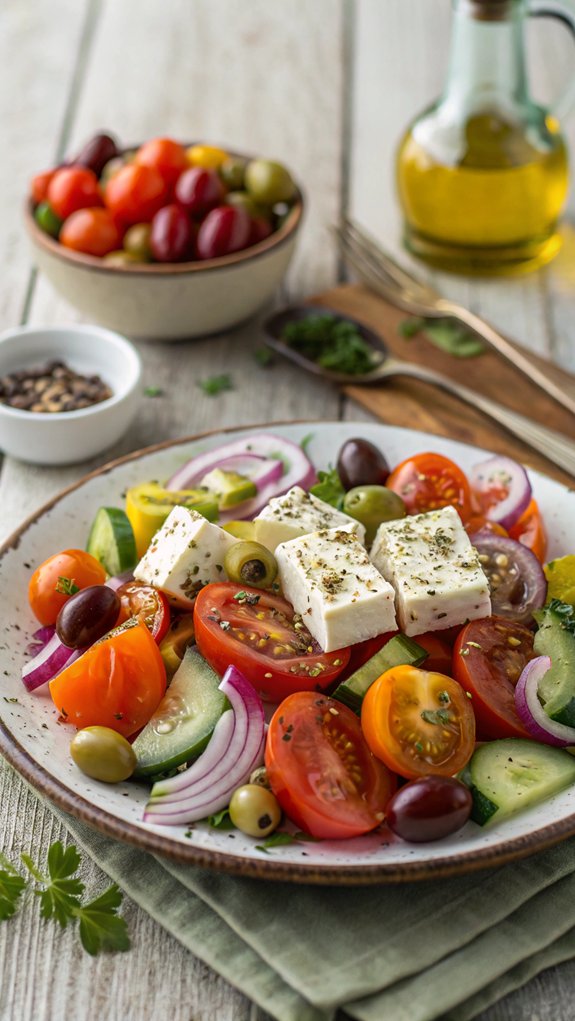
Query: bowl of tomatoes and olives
x,y
164,240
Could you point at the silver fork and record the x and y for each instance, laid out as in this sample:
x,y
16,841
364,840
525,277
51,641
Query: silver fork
x,y
386,277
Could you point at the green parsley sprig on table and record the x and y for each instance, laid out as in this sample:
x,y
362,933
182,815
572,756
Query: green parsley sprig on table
x,y
60,891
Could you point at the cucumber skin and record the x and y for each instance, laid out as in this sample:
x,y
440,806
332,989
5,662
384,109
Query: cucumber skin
x,y
398,651
103,551
556,639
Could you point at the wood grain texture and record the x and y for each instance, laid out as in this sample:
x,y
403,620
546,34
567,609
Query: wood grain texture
x,y
267,77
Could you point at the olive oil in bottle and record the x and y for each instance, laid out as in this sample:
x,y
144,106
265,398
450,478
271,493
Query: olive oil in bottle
x,y
483,174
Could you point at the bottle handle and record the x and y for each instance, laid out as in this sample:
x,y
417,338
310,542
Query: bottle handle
x,y
564,11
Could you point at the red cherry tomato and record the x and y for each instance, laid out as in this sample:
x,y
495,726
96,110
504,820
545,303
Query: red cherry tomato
x,y
93,231
39,185
147,603
73,188
199,190
117,683
171,235
530,531
438,652
58,578
429,481
225,229
262,640
136,193
418,722
488,658
165,156
321,770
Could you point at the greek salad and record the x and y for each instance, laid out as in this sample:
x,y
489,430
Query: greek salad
x,y
261,641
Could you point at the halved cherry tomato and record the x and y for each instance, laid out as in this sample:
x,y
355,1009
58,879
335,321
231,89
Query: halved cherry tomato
x,y
530,531
58,578
117,683
148,604
93,231
136,193
262,635
73,188
429,481
179,636
488,659
479,523
321,770
166,156
438,652
418,722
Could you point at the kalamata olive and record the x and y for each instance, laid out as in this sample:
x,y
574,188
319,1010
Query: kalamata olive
x,y
226,229
171,235
103,754
87,615
429,808
97,152
199,190
360,463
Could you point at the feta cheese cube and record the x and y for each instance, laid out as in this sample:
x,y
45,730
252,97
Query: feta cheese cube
x,y
298,513
328,578
185,554
434,570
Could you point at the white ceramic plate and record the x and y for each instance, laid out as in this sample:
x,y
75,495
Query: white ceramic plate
x,y
37,745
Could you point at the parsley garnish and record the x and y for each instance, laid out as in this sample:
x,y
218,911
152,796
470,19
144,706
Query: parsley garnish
x,y
214,385
280,839
153,391
332,342
221,820
263,357
304,444
67,586
439,717
329,488
60,892
445,334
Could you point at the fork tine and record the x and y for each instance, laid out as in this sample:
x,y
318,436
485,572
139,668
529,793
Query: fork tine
x,y
387,263
376,282
356,251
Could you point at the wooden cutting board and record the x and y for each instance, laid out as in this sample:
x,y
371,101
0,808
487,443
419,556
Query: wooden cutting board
x,y
417,405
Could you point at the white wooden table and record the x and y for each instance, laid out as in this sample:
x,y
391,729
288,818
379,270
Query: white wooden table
x,y
326,86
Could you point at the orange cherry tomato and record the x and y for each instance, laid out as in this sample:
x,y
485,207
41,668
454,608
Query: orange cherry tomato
x,y
117,683
321,770
58,578
479,523
165,155
418,722
530,530
136,193
428,482
39,185
92,231
73,188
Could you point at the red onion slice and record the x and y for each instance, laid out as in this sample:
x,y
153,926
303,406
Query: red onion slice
x,y
232,754
516,580
48,663
531,712
297,470
505,474
117,580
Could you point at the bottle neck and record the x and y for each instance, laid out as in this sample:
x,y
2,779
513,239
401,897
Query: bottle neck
x,y
486,65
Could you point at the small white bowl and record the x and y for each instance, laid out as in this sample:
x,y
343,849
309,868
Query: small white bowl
x,y
70,436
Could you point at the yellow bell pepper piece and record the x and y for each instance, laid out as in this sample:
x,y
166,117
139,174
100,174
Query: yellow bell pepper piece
x,y
560,576
148,506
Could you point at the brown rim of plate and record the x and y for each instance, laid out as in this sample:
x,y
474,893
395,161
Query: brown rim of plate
x,y
267,868
92,263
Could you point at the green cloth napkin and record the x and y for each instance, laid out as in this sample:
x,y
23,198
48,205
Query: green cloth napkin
x,y
411,952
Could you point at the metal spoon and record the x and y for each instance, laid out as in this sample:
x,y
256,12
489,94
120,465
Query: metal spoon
x,y
553,445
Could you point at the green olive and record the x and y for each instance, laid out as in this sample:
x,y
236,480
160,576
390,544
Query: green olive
x,y
111,168
250,563
243,200
47,220
372,505
137,241
255,810
103,754
269,182
232,172
259,777
120,258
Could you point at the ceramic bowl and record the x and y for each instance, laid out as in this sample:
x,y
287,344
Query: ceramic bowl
x,y
169,301
67,437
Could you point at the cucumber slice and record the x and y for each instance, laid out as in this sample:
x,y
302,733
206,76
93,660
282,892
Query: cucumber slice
x,y
556,639
506,776
111,540
185,719
399,650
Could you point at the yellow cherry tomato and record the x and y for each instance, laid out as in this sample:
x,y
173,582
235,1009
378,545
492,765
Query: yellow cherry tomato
x,y
148,506
560,576
210,157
